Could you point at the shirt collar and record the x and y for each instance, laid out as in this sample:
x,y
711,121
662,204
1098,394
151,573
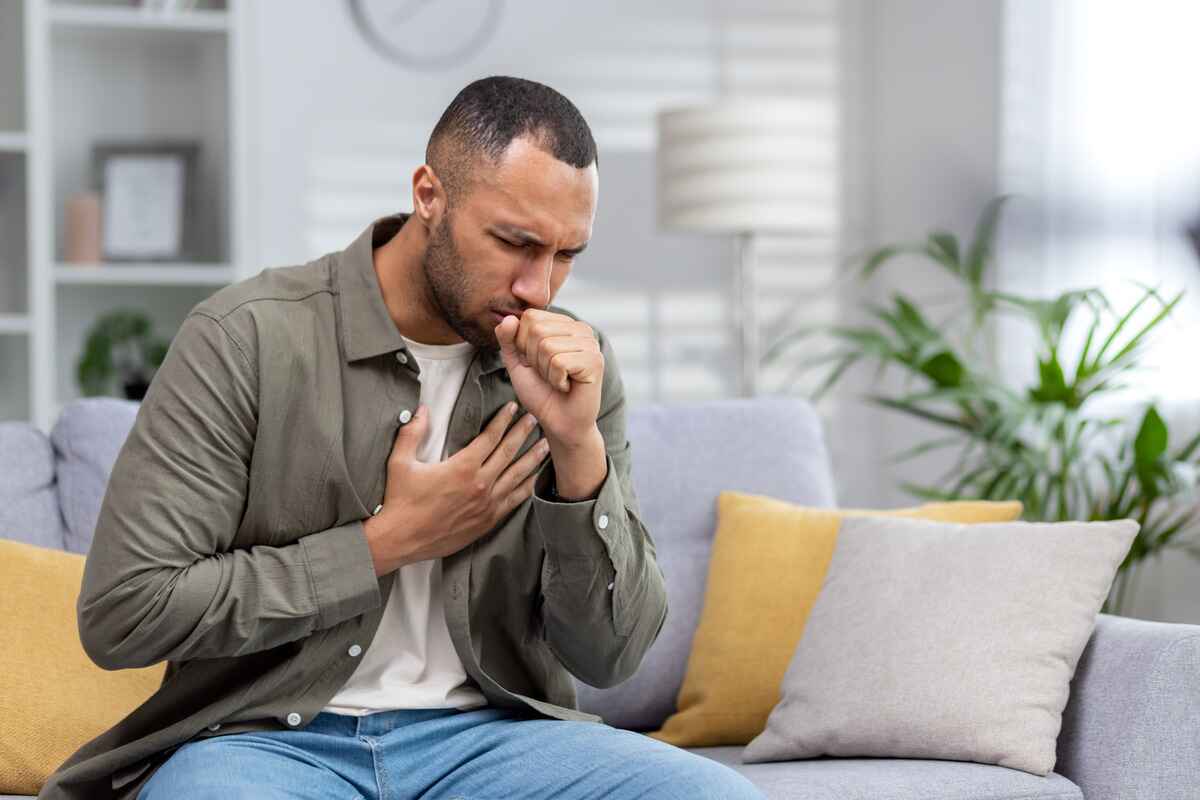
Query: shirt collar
x,y
367,327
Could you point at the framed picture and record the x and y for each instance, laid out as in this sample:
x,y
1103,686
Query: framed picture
x,y
146,191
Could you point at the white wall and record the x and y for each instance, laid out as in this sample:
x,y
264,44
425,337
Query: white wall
x,y
928,90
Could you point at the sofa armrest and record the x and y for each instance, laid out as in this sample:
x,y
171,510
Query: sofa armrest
x,y
1131,729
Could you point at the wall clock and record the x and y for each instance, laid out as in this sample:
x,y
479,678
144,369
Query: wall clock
x,y
427,34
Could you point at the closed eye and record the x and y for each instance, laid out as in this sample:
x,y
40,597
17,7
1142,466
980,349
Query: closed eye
x,y
566,255
514,245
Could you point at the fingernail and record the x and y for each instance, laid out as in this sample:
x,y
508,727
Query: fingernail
x,y
511,408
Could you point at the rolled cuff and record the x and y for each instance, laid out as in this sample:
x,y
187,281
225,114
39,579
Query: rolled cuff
x,y
588,528
341,570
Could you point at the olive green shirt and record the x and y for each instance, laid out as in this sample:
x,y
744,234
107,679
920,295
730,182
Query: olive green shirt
x,y
230,540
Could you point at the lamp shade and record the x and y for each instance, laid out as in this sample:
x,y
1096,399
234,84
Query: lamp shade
x,y
756,165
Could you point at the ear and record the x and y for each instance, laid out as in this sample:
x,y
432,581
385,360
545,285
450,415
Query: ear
x,y
429,196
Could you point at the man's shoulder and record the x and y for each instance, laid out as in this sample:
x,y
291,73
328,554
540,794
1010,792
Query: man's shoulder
x,y
271,288
275,301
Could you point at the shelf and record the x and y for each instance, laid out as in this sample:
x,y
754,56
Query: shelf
x,y
77,308
161,274
102,18
138,85
13,142
14,323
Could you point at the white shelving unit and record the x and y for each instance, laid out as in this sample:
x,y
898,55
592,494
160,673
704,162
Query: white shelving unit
x,y
15,319
76,72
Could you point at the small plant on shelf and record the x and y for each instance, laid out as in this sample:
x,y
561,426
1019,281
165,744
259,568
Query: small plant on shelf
x,y
120,356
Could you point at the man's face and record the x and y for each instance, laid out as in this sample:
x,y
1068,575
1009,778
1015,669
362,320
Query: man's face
x,y
509,244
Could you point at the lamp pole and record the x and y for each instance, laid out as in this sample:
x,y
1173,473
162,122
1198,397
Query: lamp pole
x,y
746,316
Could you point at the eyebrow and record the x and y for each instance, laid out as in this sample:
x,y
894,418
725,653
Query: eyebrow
x,y
528,237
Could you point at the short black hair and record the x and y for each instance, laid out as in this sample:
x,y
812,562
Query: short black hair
x,y
487,114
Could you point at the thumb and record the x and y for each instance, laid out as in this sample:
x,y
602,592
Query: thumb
x,y
412,434
506,336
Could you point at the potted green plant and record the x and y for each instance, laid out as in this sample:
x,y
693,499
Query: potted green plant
x,y
1046,443
120,355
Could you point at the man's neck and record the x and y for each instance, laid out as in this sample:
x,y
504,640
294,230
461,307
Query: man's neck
x,y
402,281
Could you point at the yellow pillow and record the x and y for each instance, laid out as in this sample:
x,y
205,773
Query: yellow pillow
x,y
55,698
768,562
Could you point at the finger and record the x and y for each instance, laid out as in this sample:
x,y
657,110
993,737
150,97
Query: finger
x,y
556,345
411,435
517,496
528,463
578,366
506,334
503,455
477,451
538,326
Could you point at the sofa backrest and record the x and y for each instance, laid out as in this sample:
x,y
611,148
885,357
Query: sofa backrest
x,y
87,436
28,494
684,455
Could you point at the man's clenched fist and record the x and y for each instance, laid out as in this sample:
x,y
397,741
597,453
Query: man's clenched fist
x,y
557,371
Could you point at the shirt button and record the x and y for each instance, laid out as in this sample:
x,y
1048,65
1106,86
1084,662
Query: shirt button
x,y
378,508
354,650
401,357
610,585
293,719
603,521
216,726
405,415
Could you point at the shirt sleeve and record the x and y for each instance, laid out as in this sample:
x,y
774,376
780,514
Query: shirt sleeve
x,y
604,594
162,579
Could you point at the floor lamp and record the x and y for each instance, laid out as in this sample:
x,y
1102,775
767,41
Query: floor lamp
x,y
745,166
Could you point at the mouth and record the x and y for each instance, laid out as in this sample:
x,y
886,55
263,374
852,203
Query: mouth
x,y
498,316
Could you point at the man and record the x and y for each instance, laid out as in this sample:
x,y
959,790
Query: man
x,y
376,509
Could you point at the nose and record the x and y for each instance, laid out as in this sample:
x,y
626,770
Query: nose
x,y
533,282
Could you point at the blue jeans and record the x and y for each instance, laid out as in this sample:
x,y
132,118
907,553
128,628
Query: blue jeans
x,y
485,753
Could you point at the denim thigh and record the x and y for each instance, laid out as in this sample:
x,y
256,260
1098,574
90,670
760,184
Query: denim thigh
x,y
442,754
487,755
265,766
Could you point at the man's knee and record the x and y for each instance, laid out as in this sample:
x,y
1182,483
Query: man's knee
x,y
704,779
674,772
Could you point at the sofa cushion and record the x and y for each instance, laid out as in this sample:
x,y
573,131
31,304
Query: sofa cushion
x,y
55,697
684,455
767,567
87,437
28,495
892,779
943,640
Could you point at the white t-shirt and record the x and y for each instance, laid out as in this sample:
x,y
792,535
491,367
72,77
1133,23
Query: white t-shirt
x,y
411,662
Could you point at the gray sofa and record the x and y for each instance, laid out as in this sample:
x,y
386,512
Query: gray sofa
x,y
1131,730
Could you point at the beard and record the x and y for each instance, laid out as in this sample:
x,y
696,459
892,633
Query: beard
x,y
448,287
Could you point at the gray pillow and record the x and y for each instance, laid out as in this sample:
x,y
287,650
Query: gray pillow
x,y
947,641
